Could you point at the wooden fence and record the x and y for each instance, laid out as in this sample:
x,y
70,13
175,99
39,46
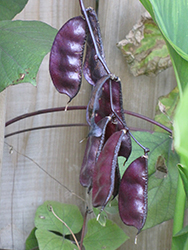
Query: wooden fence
x,y
24,185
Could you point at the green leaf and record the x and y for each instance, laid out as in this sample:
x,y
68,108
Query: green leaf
x,y
51,241
166,108
31,241
181,137
109,237
9,8
180,240
23,45
147,5
161,185
70,214
183,171
171,17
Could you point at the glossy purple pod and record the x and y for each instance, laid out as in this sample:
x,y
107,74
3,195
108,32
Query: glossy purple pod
x,y
93,148
94,99
66,57
99,106
105,170
126,144
132,200
93,69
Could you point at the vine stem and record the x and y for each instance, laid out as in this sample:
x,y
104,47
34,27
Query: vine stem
x,y
51,210
71,108
84,227
99,57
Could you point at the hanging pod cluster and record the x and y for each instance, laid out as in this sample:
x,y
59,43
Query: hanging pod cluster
x,y
109,136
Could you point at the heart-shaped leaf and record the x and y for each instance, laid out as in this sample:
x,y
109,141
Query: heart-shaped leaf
x,y
98,237
8,9
23,45
70,214
51,241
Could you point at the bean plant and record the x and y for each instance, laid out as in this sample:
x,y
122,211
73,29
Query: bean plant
x,y
119,166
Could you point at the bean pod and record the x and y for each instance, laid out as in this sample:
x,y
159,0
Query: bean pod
x,y
105,170
133,194
66,57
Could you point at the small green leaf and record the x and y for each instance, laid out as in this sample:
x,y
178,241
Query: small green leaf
x,y
9,8
180,240
161,190
166,109
98,238
51,241
70,214
31,241
23,45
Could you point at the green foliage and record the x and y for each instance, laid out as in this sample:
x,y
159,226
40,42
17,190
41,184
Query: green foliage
x,y
9,8
98,237
51,233
50,241
166,109
162,178
70,214
171,17
181,137
23,45
180,240
31,242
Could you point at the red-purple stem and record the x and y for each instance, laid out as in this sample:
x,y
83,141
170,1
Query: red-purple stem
x,y
57,109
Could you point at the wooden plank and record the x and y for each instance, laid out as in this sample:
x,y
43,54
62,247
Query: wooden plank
x,y
140,95
58,152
